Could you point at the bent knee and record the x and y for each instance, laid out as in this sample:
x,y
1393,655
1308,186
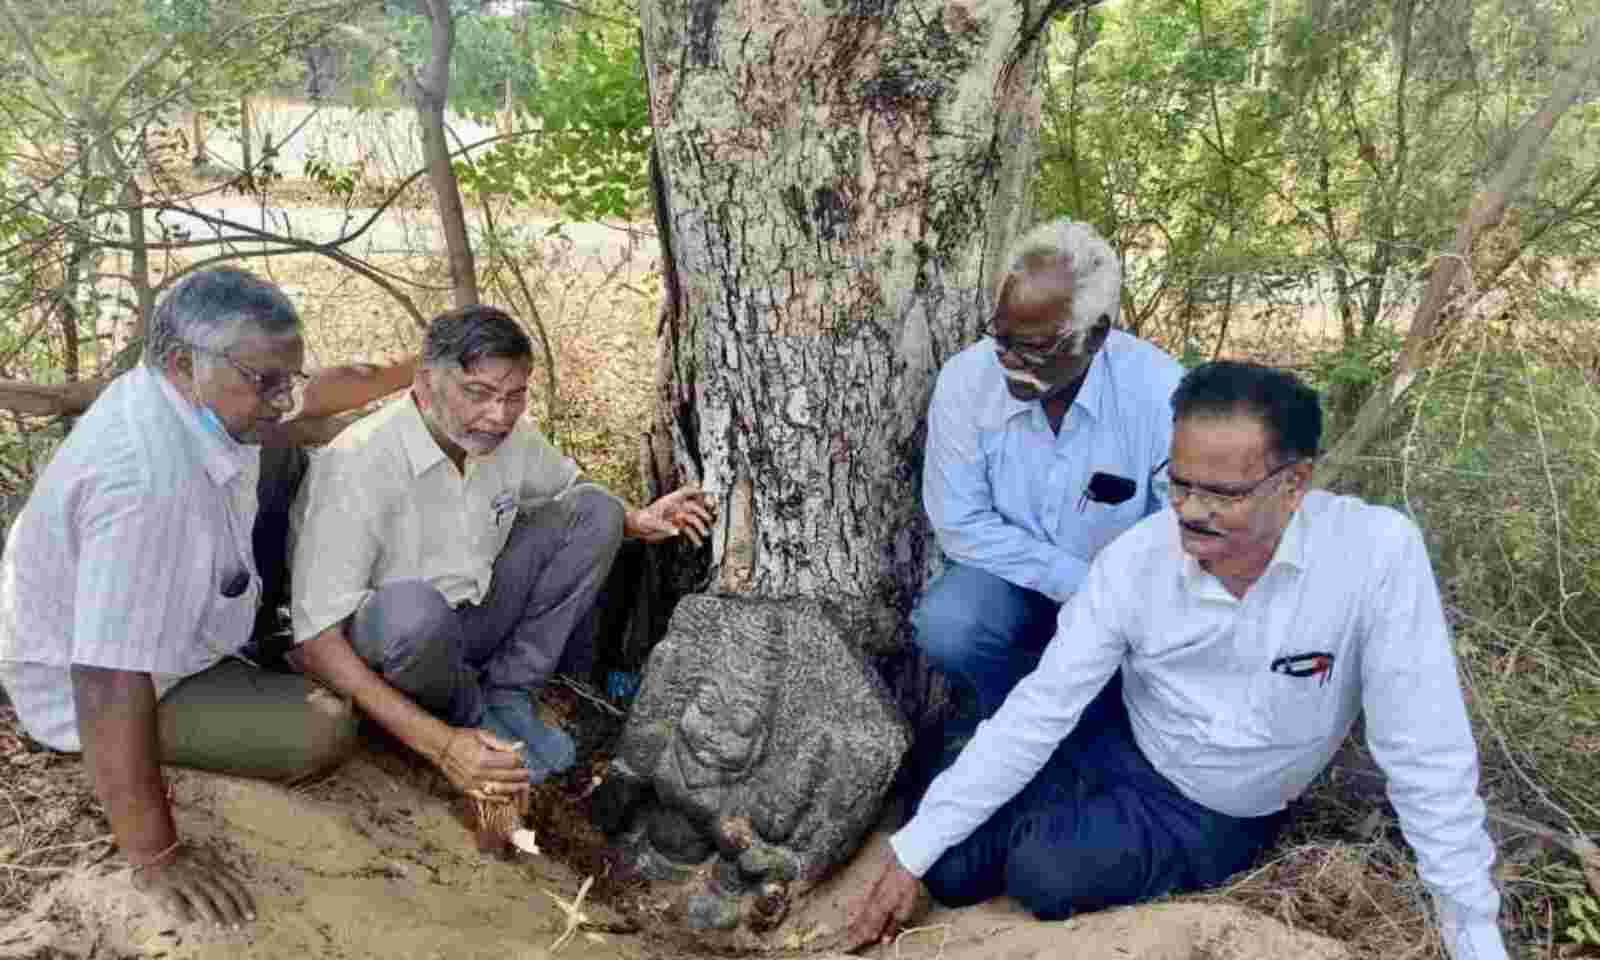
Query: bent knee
x,y
598,515
408,620
329,734
948,629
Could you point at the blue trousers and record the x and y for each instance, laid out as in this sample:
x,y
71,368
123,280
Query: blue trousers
x,y
545,582
1097,827
983,633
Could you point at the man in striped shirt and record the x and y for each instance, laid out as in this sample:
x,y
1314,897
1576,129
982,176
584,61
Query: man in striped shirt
x,y
130,581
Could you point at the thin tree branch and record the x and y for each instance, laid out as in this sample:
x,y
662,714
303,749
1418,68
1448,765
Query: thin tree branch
x,y
1486,211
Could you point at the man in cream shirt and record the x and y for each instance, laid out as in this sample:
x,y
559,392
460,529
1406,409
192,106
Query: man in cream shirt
x,y
446,552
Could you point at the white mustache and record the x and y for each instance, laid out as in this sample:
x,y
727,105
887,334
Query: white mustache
x,y
1024,377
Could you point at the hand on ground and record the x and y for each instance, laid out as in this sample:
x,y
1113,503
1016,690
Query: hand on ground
x,y
895,900
686,510
194,886
479,763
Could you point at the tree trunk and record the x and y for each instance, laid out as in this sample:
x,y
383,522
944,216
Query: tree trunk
x,y
839,183
247,161
197,127
139,268
429,90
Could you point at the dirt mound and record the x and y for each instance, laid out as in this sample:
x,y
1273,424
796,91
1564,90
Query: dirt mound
x,y
370,864
1002,929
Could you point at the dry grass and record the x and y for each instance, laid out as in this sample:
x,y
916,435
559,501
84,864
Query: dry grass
x,y
49,818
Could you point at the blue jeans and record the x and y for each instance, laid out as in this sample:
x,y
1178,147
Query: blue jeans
x,y
1097,827
983,633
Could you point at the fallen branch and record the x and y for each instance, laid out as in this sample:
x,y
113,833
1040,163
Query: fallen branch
x,y
332,391
1580,846
574,911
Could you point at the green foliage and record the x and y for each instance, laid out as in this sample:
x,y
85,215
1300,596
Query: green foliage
x,y
1211,139
1583,925
490,54
589,158
337,182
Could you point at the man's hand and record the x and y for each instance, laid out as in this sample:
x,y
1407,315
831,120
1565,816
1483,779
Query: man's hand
x,y
894,902
194,886
479,763
686,510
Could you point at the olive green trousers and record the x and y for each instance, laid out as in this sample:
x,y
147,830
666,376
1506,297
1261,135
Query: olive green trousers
x,y
239,719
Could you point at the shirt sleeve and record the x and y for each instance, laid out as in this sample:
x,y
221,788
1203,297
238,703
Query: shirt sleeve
x,y
125,607
335,548
960,505
546,473
1417,729
1012,746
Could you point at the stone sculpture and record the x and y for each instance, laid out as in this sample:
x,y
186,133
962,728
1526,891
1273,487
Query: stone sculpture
x,y
755,759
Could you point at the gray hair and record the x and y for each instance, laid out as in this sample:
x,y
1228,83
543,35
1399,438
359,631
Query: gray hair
x,y
214,309
1096,271
466,335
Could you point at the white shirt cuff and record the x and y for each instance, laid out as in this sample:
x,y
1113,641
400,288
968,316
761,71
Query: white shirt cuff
x,y
1478,940
915,850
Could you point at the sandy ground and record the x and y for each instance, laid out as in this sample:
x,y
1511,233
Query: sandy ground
x,y
370,864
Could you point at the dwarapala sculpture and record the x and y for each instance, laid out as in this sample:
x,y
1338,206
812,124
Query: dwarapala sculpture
x,y
755,759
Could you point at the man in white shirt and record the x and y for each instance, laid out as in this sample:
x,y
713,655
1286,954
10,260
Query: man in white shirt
x,y
1251,624
130,580
1041,444
447,552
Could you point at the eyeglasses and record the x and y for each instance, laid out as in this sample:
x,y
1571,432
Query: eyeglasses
x,y
1211,499
273,387
1031,354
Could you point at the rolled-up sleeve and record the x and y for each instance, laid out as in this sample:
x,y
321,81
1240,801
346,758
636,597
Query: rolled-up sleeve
x,y
960,504
336,547
1418,731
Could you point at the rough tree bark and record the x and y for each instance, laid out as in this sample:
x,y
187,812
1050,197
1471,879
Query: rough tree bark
x,y
838,180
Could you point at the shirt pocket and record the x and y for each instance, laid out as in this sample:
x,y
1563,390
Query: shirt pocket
x,y
230,619
1104,521
1291,709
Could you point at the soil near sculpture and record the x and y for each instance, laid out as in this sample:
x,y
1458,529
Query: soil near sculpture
x,y
378,860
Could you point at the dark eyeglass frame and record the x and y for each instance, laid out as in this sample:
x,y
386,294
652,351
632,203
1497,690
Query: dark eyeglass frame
x,y
1220,501
1031,356
268,386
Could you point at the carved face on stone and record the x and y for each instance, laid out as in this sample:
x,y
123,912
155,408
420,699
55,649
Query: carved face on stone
x,y
723,733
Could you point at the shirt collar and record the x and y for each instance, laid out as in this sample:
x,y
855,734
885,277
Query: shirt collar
x,y
1088,398
422,450
223,457
1291,551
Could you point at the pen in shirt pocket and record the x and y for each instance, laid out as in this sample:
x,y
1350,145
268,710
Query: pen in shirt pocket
x,y
1107,488
503,504
1313,663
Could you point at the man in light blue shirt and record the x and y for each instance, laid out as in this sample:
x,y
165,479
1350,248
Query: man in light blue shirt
x,y
1250,624
1041,443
